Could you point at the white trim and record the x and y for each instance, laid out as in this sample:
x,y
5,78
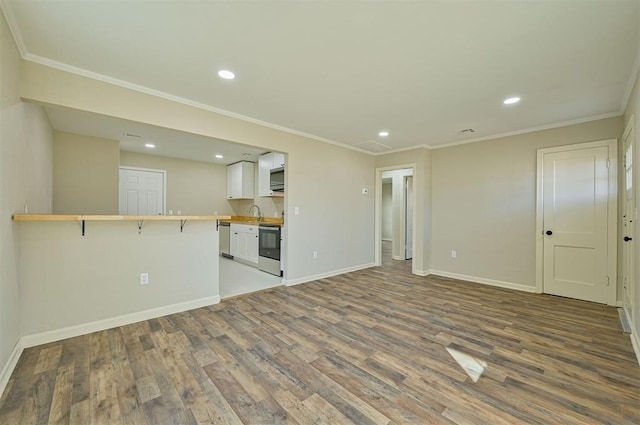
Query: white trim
x,y
154,170
163,95
484,281
635,343
612,213
8,12
100,325
532,129
5,5
422,273
11,365
299,280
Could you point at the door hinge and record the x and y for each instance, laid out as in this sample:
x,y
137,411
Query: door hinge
x,y
607,280
608,162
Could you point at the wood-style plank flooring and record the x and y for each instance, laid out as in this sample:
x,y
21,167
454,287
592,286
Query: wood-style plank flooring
x,y
365,348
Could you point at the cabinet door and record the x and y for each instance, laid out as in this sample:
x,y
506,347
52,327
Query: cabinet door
x,y
252,247
265,164
234,181
234,243
278,159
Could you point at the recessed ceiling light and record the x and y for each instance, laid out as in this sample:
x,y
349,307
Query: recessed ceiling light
x,y
227,75
149,145
219,156
383,134
511,100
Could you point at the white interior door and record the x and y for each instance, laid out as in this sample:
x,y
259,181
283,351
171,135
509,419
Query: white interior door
x,y
575,223
141,192
629,216
408,226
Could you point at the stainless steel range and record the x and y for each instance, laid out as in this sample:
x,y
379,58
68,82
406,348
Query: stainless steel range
x,y
269,248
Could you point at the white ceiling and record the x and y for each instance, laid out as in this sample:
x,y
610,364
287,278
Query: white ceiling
x,y
343,71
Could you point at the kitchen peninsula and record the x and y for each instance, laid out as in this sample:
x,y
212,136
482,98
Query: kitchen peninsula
x,y
82,273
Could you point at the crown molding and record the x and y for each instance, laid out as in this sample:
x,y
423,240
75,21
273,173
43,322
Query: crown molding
x,y
167,96
531,129
5,6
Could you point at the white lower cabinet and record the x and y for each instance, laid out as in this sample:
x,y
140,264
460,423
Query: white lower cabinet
x,y
244,242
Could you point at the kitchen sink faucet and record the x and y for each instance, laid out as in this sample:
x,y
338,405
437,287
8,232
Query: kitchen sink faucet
x,y
259,212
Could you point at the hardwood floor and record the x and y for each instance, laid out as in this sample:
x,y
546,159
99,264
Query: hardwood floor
x,y
366,348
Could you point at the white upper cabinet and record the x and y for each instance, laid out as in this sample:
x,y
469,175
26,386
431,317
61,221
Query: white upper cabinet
x,y
266,163
240,180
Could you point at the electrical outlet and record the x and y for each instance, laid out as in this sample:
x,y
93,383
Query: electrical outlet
x,y
315,254
454,254
144,278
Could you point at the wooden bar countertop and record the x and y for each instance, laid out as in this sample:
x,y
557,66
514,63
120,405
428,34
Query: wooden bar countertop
x,y
100,217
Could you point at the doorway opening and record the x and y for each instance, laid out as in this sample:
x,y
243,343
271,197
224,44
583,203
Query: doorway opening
x,y
395,215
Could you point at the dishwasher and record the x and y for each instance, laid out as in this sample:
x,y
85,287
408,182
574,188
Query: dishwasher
x,y
225,239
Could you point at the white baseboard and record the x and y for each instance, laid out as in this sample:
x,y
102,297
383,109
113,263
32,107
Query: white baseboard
x,y
619,304
100,325
297,281
422,273
491,282
10,365
635,343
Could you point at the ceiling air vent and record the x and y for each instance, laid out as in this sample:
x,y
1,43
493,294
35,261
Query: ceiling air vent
x,y
467,131
132,136
372,146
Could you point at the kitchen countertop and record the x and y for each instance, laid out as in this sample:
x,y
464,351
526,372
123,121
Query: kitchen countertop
x,y
253,220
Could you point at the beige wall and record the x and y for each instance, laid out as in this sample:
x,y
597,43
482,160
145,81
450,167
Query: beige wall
x,y
193,187
633,112
83,279
85,174
324,181
25,179
484,201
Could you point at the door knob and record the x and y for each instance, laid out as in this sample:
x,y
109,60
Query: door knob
x,y
627,239
549,232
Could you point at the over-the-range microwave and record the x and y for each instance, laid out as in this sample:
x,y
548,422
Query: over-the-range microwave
x,y
277,179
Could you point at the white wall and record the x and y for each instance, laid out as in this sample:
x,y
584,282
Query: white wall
x,y
25,179
387,204
72,280
324,181
484,202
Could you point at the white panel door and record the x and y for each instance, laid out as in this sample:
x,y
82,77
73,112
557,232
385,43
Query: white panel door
x,y
575,202
408,240
629,216
141,192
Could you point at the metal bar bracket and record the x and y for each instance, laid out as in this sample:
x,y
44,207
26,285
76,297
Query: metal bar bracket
x,y
182,223
140,222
